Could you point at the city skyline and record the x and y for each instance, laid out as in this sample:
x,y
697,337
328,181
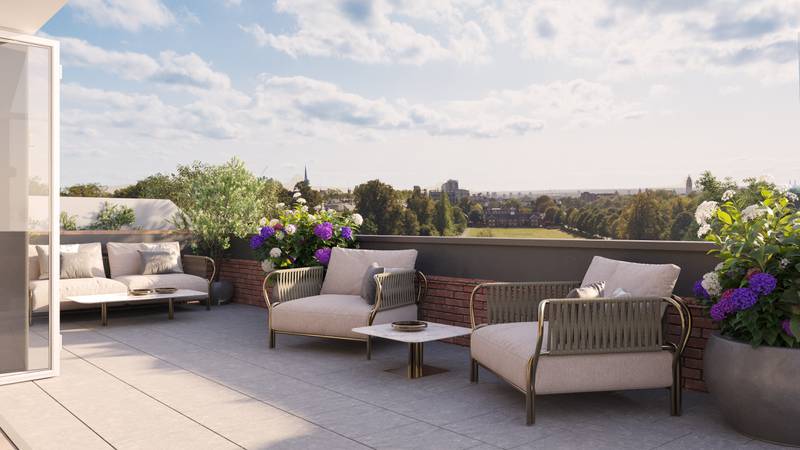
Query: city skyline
x,y
504,96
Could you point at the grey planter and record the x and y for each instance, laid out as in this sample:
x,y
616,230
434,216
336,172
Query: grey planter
x,y
221,291
757,389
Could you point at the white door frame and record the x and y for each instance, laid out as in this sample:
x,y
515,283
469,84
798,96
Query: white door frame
x,y
55,209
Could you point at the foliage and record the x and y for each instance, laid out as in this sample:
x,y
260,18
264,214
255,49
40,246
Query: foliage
x,y
643,217
312,197
443,216
380,206
296,237
113,217
422,206
755,290
68,223
218,202
85,190
158,186
519,233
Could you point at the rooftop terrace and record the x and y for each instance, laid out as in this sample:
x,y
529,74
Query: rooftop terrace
x,y
207,380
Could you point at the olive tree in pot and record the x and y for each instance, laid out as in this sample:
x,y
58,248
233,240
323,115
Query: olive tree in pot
x,y
752,366
219,203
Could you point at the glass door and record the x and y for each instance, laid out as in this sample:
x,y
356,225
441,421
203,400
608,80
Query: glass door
x,y
29,325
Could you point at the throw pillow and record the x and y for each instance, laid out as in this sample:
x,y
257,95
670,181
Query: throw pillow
x,y
620,293
368,285
75,265
43,255
594,290
156,262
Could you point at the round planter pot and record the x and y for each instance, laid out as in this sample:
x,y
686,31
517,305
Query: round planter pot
x,y
757,389
221,291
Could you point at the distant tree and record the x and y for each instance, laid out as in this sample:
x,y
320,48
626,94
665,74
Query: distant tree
x,y
428,230
543,202
459,220
645,219
410,224
679,230
313,197
551,215
155,186
422,205
379,203
443,216
85,190
476,216
711,187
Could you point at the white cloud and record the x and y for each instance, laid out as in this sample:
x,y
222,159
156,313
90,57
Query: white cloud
x,y
661,91
730,89
231,3
130,15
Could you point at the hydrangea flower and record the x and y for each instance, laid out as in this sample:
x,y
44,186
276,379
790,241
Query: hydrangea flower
x,y
791,196
727,195
787,327
743,298
324,231
274,222
784,263
323,255
347,233
711,283
357,219
296,195
753,212
267,232
256,241
705,211
267,266
703,230
699,290
290,229
280,205
275,252
262,222
723,307
762,283
301,200
279,235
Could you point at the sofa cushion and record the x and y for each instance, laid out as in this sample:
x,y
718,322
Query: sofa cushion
x,y
158,262
639,280
124,259
40,290
368,286
347,266
332,315
93,251
176,280
75,265
507,348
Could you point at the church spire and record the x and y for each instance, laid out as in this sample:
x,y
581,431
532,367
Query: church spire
x,y
305,174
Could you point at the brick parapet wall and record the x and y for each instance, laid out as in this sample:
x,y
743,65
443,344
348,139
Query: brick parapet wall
x,y
447,301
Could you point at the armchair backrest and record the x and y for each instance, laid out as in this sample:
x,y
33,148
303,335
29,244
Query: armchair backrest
x,y
347,266
517,302
640,280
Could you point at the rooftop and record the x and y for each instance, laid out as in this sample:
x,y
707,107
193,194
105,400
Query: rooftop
x,y
208,380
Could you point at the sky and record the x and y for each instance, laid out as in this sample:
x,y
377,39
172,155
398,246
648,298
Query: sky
x,y
501,95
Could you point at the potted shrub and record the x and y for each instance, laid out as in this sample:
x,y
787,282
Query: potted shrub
x,y
297,237
752,366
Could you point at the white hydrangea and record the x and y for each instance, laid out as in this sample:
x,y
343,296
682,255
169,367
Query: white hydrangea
x,y
304,208
703,230
262,222
301,200
705,211
791,196
784,263
279,235
275,252
727,195
357,219
290,229
273,222
711,283
318,207
266,266
280,205
719,267
296,195
753,212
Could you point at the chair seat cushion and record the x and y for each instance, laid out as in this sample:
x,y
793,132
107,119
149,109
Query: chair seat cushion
x,y
40,290
506,349
176,280
332,315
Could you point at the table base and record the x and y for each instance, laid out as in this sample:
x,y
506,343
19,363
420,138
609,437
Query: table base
x,y
415,367
104,312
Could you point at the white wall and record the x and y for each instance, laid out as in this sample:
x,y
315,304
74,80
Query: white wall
x,y
151,214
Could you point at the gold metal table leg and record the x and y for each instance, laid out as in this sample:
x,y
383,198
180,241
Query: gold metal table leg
x,y
414,360
171,309
104,314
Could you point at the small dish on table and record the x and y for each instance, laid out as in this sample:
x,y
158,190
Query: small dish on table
x,y
166,290
409,325
141,291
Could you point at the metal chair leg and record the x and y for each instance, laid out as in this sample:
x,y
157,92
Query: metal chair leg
x,y
369,348
271,338
473,372
529,408
676,392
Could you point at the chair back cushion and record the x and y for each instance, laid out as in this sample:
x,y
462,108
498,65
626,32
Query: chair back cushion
x,y
93,258
639,280
347,267
124,259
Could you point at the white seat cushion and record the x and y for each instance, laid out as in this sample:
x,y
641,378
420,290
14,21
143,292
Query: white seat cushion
x,y
124,259
640,280
176,280
40,290
332,315
347,267
506,349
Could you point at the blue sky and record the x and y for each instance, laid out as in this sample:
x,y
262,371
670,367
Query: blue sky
x,y
502,95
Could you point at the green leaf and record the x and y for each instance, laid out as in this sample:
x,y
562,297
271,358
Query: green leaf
x,y
724,217
794,325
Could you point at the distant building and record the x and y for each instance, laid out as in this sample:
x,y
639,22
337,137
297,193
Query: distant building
x,y
510,218
592,196
453,192
689,185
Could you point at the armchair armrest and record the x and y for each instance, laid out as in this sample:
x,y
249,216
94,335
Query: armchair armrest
x,y
199,265
291,284
516,301
399,288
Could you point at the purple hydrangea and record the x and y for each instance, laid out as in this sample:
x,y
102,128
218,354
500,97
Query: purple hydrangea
x,y
723,307
323,255
267,232
763,283
347,233
787,327
744,298
699,290
324,231
256,241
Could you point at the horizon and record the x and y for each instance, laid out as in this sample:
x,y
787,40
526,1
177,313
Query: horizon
x,y
503,97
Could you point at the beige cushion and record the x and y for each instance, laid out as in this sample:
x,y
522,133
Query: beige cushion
x,y
40,290
347,266
332,315
33,263
507,348
124,259
176,280
93,252
640,280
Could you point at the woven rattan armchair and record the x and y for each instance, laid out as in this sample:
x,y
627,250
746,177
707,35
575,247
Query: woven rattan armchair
x,y
395,290
576,345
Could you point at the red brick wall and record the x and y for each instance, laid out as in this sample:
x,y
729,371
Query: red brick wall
x,y
447,301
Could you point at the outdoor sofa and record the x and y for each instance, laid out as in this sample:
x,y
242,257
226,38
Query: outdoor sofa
x,y
124,271
570,337
312,302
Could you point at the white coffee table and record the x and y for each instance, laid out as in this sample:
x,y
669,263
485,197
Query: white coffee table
x,y
415,340
104,299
